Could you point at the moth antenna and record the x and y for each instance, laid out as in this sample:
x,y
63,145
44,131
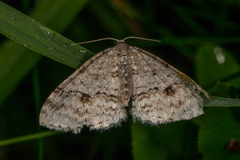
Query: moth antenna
x,y
96,40
146,39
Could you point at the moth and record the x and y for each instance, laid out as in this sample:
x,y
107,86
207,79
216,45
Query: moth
x,y
96,95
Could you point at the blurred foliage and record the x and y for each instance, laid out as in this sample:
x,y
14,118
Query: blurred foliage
x,y
200,38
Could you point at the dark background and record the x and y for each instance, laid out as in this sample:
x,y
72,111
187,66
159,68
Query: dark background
x,y
183,28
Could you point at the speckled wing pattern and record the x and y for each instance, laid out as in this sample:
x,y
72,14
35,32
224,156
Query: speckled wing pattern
x,y
96,94
88,97
162,93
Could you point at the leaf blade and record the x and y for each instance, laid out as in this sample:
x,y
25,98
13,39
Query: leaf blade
x,y
16,61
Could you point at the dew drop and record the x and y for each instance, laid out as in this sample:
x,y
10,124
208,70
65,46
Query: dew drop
x,y
220,55
13,18
65,45
25,45
82,51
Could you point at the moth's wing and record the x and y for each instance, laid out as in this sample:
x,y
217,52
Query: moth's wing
x,y
88,97
161,92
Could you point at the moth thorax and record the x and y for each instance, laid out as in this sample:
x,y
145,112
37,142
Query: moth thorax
x,y
125,77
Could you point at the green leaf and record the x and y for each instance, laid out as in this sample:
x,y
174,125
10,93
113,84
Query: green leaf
x,y
166,142
214,63
16,61
27,137
220,101
223,89
218,128
39,38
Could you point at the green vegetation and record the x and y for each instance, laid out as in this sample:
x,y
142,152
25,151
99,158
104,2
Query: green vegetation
x,y
200,38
